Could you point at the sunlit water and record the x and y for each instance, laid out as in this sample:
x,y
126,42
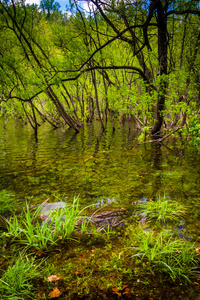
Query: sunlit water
x,y
96,166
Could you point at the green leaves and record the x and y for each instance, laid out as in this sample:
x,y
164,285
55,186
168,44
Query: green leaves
x,y
195,131
37,52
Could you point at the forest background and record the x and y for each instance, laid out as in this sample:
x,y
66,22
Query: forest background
x,y
131,60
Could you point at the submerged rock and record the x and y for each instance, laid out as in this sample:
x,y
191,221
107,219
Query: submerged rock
x,y
109,218
49,207
112,218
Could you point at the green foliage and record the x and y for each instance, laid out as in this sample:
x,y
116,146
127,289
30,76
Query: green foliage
x,y
144,134
195,131
164,253
162,209
59,225
44,64
49,6
16,282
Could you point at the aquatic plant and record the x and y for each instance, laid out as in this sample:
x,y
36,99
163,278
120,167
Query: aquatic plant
x,y
7,200
87,178
162,209
29,230
164,253
16,282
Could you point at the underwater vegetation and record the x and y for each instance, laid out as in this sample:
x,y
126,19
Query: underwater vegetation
x,y
7,200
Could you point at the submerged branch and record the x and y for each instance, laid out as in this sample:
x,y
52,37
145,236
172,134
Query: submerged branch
x,y
162,138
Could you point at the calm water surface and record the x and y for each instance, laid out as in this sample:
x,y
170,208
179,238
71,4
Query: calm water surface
x,y
95,166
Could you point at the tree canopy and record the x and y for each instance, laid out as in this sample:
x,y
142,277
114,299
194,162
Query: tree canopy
x,y
135,60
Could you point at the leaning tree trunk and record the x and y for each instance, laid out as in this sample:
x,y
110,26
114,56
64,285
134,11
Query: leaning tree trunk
x,y
162,57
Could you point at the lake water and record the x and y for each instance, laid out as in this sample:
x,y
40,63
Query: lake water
x,y
112,166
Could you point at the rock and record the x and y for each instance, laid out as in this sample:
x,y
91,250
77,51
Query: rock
x,y
48,207
109,218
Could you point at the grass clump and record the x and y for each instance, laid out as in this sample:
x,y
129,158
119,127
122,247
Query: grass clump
x,y
164,253
29,230
16,282
162,209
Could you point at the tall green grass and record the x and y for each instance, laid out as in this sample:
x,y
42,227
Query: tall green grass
x,y
164,252
162,209
29,230
16,282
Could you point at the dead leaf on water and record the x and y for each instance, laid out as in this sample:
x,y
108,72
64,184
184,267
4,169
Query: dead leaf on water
x,y
55,293
53,278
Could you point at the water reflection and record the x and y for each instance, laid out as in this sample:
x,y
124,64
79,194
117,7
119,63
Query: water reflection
x,y
91,164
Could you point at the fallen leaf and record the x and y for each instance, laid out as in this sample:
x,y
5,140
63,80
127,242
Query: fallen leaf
x,y
124,286
197,250
127,292
53,278
196,283
183,212
55,293
115,291
93,250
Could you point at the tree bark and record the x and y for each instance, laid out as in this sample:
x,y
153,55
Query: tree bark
x,y
162,58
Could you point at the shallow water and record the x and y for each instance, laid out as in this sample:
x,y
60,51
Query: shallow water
x,y
94,166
